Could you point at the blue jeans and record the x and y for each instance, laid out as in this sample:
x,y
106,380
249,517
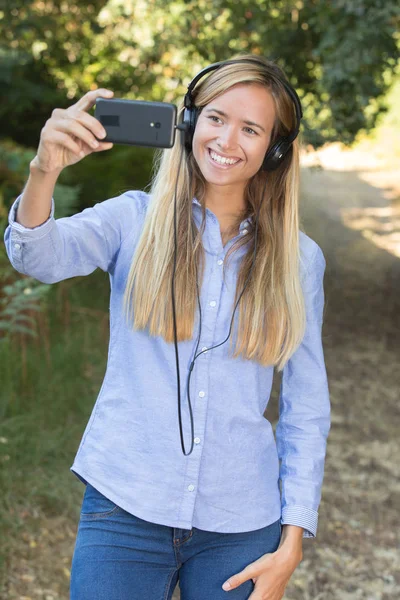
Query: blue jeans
x,y
118,556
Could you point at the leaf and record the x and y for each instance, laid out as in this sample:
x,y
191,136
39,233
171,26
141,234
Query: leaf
x,y
23,329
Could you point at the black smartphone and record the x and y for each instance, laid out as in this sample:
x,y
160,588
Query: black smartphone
x,y
137,122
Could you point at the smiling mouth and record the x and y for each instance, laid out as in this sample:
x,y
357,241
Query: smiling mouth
x,y
221,164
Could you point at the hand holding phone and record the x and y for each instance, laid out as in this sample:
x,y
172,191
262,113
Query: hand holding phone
x,y
69,134
137,122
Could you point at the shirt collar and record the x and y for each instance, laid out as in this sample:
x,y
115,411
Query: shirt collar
x,y
243,224
212,237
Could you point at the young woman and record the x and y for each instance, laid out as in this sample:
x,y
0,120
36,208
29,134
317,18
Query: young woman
x,y
221,222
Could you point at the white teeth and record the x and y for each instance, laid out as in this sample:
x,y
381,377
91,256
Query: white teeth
x,y
222,160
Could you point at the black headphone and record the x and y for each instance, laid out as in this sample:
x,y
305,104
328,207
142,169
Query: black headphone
x,y
274,155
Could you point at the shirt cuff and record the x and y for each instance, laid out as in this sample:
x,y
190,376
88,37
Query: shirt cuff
x,y
29,232
302,517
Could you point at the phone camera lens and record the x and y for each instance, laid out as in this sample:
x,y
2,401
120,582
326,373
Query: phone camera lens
x,y
158,125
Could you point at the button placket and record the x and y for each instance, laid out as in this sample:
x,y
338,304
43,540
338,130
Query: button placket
x,y
210,302
200,385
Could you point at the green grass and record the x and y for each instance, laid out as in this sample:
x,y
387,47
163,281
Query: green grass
x,y
46,405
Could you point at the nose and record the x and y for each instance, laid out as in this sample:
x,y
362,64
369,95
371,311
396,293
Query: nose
x,y
227,139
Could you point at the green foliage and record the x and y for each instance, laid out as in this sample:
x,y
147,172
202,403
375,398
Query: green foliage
x,y
108,174
14,170
14,165
18,297
340,55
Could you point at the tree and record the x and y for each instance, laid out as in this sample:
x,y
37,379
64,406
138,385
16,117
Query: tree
x,y
339,55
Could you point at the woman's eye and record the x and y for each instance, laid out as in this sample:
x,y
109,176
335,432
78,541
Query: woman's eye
x,y
249,128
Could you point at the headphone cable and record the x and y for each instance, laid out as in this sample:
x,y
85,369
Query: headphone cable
x,y
183,128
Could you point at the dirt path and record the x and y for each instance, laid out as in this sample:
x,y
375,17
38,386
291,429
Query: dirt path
x,y
356,553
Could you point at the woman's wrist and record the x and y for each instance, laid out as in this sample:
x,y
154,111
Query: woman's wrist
x,y
292,539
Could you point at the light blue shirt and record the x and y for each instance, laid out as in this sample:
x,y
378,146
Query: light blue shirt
x,y
131,448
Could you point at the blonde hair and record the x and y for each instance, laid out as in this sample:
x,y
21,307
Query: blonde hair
x,y
271,311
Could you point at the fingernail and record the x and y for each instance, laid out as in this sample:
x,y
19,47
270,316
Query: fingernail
x,y
226,586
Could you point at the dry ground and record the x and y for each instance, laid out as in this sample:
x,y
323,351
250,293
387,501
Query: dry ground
x,y
353,215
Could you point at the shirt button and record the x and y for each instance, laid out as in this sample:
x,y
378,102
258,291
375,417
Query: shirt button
x,y
17,246
196,440
244,231
190,488
213,303
220,262
204,348
202,394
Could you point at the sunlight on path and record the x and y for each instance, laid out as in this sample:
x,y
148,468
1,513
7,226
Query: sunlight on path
x,y
378,224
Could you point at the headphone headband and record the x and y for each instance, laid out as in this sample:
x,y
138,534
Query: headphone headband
x,y
280,148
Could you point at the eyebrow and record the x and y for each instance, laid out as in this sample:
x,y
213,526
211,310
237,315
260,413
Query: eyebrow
x,y
220,112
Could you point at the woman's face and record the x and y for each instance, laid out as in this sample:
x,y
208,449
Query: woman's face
x,y
228,134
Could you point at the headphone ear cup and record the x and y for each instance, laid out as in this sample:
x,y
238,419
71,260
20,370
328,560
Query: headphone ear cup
x,y
195,115
190,116
187,135
276,154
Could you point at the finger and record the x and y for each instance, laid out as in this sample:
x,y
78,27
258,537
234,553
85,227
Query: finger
x,y
73,127
239,578
231,583
92,124
89,99
104,146
65,140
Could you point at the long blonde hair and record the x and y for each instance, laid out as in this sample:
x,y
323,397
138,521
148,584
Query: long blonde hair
x,y
271,311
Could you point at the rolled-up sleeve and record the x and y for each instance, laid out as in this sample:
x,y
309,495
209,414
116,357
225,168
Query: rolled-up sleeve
x,y
304,413
71,246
